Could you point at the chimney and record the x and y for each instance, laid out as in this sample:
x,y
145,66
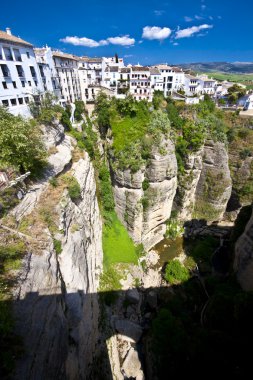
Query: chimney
x,y
8,31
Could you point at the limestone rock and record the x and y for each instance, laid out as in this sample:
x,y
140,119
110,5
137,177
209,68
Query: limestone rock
x,y
205,187
243,263
53,134
57,163
144,212
132,365
56,304
152,299
129,330
133,296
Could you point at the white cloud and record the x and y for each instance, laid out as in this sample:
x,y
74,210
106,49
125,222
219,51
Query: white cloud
x,y
128,55
188,32
140,42
159,12
83,41
188,19
88,42
175,43
219,17
155,33
203,7
123,40
197,17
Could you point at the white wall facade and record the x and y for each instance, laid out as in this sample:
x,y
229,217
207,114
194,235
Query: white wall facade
x,y
20,80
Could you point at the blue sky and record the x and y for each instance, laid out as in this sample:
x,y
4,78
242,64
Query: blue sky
x,y
147,31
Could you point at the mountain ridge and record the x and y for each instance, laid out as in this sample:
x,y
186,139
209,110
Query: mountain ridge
x,y
224,67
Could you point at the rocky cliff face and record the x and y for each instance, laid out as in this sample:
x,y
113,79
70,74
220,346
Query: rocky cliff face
x,y
56,304
205,187
144,199
243,264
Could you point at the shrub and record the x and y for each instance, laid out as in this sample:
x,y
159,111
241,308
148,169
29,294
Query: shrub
x,y
145,203
65,121
21,144
145,184
79,110
176,272
74,189
174,229
57,246
106,189
53,182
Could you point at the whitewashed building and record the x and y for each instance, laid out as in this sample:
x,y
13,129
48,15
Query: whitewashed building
x,y
248,105
66,66
207,85
172,78
50,78
140,83
20,80
191,85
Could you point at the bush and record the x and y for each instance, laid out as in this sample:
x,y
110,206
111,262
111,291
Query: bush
x,y
65,121
79,110
74,189
145,203
106,189
53,182
145,184
21,144
57,246
175,272
174,229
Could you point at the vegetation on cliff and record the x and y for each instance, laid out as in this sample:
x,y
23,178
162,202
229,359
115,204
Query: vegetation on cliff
x,y
21,144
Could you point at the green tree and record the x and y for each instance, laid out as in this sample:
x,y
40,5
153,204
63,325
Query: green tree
x,y
21,144
80,110
158,98
102,110
176,272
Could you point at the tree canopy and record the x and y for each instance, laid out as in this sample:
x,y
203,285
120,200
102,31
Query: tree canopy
x,y
21,144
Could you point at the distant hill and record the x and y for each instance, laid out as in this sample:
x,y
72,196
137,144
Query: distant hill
x,y
223,67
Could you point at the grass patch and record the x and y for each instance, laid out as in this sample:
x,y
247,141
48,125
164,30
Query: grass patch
x,y
118,247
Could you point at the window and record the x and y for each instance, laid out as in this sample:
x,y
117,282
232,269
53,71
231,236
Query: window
x,y
29,83
33,72
7,53
5,70
21,100
4,85
20,71
41,71
13,102
5,103
28,54
23,83
1,56
14,84
26,100
36,83
17,55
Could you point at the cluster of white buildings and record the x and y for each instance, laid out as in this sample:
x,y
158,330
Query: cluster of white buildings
x,y
27,72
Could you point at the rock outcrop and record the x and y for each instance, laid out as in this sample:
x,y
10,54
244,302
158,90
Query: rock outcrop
x,y
186,191
205,188
243,264
144,199
56,298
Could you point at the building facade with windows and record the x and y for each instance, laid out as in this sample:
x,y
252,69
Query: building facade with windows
x,y
66,66
140,83
49,76
20,80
